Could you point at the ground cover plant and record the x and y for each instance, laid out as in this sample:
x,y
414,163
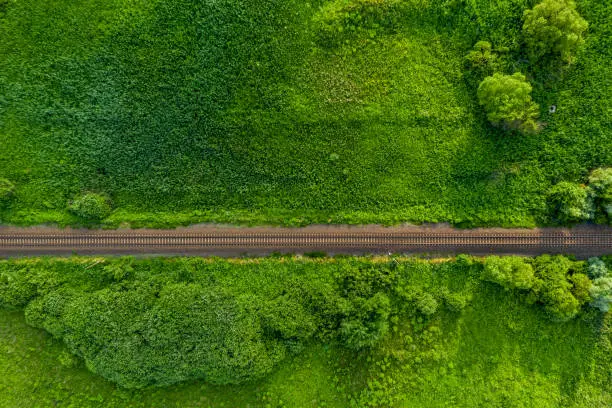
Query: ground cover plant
x,y
293,332
285,111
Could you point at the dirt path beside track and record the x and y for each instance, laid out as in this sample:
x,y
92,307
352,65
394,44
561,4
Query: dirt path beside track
x,y
582,241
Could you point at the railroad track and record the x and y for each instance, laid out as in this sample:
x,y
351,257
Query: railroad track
x,y
209,240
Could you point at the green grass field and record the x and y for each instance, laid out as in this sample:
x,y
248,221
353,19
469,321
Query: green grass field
x,y
284,111
499,351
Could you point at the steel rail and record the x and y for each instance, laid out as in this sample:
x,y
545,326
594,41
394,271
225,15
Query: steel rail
x,y
336,240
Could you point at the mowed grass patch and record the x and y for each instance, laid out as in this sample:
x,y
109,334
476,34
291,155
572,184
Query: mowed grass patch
x,y
252,112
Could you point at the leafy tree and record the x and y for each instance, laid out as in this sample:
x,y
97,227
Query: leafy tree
x,y
7,190
91,206
554,28
569,202
511,272
482,58
507,101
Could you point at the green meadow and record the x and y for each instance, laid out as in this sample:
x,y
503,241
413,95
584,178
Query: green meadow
x,y
286,112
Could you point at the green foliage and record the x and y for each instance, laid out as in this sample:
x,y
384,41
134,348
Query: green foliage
x,y
569,202
507,101
555,282
511,272
581,287
339,20
91,206
7,190
554,28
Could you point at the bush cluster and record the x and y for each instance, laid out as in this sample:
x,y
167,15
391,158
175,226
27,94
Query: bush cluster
x,y
560,285
91,206
572,202
601,290
552,29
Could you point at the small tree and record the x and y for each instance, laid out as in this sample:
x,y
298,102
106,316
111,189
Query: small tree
x,y
507,101
554,29
91,206
7,189
570,202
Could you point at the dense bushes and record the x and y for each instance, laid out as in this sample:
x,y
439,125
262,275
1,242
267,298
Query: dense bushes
x,y
482,59
554,29
507,101
600,192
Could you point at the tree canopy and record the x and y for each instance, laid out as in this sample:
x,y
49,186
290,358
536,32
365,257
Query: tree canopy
x,y
507,101
554,28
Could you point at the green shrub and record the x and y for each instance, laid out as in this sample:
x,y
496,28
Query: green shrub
x,y
511,272
554,288
7,190
455,302
482,58
582,286
554,28
600,188
367,323
507,102
91,206
601,293
426,304
596,268
569,202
